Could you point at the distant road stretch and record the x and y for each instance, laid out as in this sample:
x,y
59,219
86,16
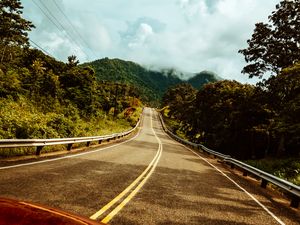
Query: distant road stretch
x,y
148,179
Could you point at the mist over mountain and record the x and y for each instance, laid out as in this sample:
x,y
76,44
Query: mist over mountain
x,y
151,84
204,77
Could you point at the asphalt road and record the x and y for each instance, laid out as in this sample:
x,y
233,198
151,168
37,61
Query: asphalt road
x,y
148,179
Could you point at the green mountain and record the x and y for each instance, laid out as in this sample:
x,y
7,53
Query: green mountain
x,y
204,77
150,84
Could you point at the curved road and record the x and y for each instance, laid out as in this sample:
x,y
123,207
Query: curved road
x,y
148,179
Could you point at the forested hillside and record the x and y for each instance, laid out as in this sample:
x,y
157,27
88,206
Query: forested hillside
x,y
151,85
250,121
202,78
41,97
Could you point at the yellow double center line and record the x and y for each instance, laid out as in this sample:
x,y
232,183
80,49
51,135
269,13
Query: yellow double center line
x,y
134,187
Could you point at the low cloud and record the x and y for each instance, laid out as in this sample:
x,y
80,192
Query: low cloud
x,y
192,35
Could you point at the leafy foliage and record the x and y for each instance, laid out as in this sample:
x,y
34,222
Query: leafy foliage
x,y
242,120
150,85
202,78
248,121
288,168
274,45
13,29
41,97
178,100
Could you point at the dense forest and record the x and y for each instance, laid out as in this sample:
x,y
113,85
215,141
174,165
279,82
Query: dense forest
x,y
242,120
41,97
150,84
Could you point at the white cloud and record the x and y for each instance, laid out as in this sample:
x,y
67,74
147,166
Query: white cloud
x,y
192,35
193,8
95,34
144,32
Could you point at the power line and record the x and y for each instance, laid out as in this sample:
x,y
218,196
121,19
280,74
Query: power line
x,y
38,46
74,29
47,15
50,13
69,35
58,25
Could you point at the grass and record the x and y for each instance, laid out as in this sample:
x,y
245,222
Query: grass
x,y
174,126
21,120
287,168
92,128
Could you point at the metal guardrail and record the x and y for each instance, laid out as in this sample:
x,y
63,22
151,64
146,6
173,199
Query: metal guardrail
x,y
292,189
40,143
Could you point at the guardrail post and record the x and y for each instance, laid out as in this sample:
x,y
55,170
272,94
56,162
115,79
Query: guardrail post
x,y
264,183
295,202
69,146
88,144
293,190
199,148
38,150
99,142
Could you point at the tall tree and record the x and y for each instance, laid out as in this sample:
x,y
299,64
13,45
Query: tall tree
x,y
13,28
179,98
274,45
284,97
72,61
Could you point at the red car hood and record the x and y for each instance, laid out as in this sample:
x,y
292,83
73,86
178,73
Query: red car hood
x,y
14,212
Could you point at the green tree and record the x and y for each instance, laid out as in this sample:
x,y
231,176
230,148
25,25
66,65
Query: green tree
x,y
13,28
228,116
179,99
79,85
72,61
274,45
10,83
283,94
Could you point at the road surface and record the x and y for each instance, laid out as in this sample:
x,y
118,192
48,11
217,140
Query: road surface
x,y
147,179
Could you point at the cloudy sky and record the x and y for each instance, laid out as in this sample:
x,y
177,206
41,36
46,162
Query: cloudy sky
x,y
190,35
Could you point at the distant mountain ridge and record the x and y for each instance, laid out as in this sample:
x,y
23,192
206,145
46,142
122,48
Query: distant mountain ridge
x,y
150,84
204,77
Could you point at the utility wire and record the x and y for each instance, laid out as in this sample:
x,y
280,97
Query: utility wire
x,y
69,35
47,16
38,46
59,27
74,29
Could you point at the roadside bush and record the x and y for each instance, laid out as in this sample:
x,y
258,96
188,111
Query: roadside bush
x,y
288,169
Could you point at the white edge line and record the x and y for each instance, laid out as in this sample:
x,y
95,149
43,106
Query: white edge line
x,y
236,184
69,156
241,188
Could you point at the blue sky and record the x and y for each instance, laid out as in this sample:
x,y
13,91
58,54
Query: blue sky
x,y
190,35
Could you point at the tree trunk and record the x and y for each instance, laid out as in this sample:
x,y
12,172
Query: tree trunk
x,y
253,155
268,144
281,149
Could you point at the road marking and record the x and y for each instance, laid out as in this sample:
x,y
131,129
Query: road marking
x,y
70,156
142,179
116,199
132,194
236,184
